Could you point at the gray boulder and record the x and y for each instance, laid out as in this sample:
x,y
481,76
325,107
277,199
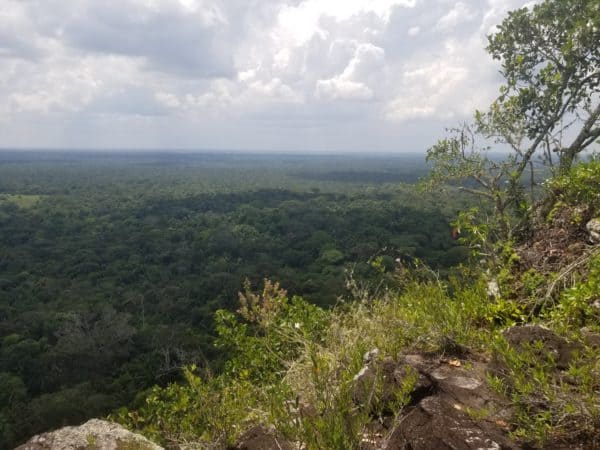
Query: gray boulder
x,y
92,435
593,229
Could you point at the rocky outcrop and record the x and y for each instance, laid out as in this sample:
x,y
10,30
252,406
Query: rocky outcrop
x,y
92,435
454,408
435,424
450,406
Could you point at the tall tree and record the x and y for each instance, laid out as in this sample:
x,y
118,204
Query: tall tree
x,y
549,105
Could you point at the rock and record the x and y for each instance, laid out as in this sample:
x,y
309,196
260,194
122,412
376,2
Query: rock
x,y
92,435
559,348
371,356
449,346
493,290
452,382
444,392
593,229
262,438
366,378
364,382
435,424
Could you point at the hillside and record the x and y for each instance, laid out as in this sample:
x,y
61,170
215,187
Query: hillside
x,y
500,355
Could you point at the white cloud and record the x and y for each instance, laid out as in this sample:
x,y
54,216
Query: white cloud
x,y
187,70
429,91
340,89
413,31
353,83
459,14
297,24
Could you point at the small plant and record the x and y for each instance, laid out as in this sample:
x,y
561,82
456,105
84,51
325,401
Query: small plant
x,y
532,281
91,441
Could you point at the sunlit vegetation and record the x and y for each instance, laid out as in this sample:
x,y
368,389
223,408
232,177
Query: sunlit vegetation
x,y
21,201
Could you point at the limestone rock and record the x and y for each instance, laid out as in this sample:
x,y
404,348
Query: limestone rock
x,y
92,435
493,290
593,229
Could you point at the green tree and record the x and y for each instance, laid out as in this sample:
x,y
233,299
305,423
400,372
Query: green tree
x,y
549,106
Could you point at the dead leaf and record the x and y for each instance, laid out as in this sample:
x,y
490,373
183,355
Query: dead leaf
x,y
502,423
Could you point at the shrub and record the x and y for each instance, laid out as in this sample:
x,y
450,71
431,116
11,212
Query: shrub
x,y
579,186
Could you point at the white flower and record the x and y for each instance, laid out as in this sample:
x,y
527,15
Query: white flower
x,y
297,325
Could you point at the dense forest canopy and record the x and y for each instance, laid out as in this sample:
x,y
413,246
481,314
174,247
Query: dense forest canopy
x,y
112,265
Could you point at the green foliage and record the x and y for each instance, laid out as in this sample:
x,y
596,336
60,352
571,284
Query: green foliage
x,y
20,200
532,281
294,365
480,234
544,404
575,307
267,334
271,334
506,312
202,410
549,57
580,186
338,422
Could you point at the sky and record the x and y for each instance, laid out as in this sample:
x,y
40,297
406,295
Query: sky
x,y
269,75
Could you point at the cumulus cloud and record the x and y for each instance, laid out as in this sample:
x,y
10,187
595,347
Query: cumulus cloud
x,y
184,37
413,31
328,74
459,14
357,80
